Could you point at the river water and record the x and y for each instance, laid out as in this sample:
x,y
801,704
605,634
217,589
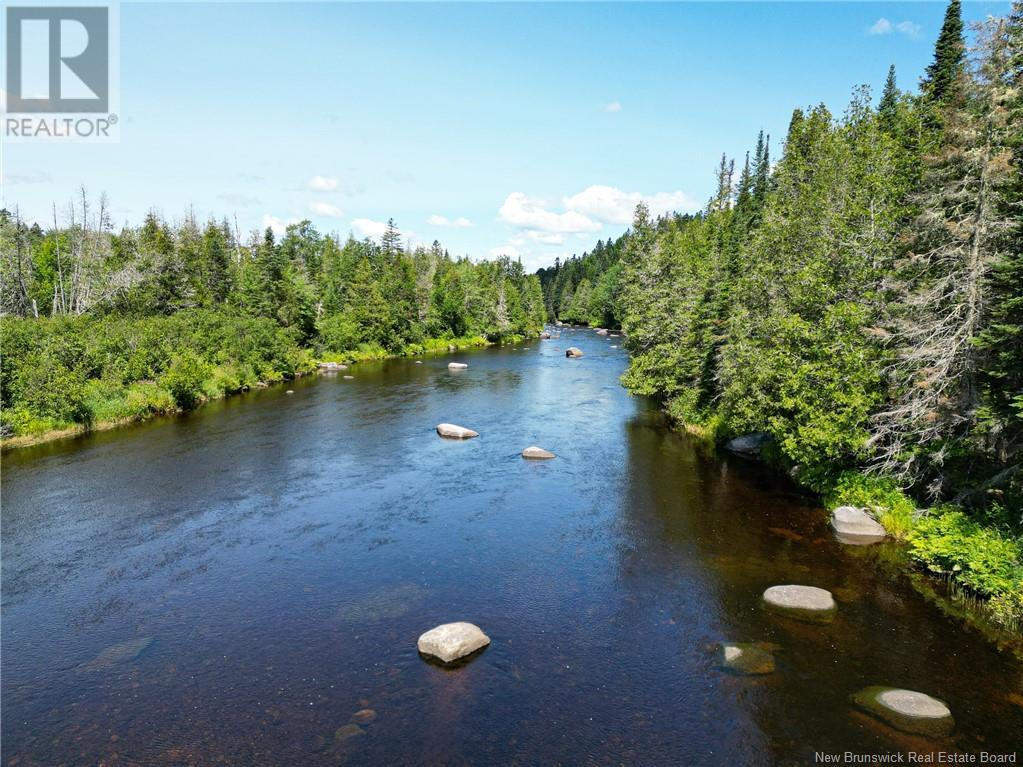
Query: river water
x,y
231,587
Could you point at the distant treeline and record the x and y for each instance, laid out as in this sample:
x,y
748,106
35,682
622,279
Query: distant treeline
x,y
860,301
102,325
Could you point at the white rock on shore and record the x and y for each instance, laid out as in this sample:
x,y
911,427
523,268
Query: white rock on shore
x,y
451,641
451,431
855,526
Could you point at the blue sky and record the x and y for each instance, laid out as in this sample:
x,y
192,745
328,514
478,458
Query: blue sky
x,y
530,129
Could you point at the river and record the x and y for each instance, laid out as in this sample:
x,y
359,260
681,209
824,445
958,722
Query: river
x,y
231,587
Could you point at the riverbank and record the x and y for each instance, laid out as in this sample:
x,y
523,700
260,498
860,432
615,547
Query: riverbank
x,y
972,568
64,402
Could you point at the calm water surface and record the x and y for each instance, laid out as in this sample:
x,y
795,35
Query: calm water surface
x,y
231,587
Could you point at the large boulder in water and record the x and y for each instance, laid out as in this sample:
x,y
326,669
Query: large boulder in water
x,y
748,445
451,431
573,351
601,332
906,710
853,525
746,658
457,366
537,453
807,603
544,335
452,641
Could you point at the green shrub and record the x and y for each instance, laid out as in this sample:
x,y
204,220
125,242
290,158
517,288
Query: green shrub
x,y
184,379
48,389
145,398
948,542
880,495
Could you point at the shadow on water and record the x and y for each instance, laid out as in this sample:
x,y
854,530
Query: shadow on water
x,y
246,586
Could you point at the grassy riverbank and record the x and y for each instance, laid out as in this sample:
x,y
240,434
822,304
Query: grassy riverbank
x,y
69,376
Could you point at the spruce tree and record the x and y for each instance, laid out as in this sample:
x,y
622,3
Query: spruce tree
x,y
888,108
942,77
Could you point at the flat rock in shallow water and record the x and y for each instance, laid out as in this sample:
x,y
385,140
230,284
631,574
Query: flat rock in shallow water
x,y
803,602
115,655
348,731
855,526
748,445
746,658
457,366
536,453
573,351
906,710
451,431
451,641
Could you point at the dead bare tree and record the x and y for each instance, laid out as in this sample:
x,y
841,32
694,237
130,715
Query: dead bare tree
x,y
958,234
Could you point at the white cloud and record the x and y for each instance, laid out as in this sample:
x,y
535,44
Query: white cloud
x,y
365,227
550,238
613,106
505,250
525,213
614,206
326,209
457,223
323,183
908,28
881,27
885,27
277,225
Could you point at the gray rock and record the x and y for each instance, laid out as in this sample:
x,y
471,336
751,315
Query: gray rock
x,y
746,658
348,378
855,526
748,444
601,332
544,336
347,731
457,366
573,351
451,431
802,602
452,641
906,710
290,391
536,452
419,362
118,654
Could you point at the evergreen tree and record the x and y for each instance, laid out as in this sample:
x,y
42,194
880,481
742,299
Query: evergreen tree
x,y
942,79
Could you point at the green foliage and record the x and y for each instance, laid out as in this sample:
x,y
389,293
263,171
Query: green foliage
x,y
184,379
880,495
948,542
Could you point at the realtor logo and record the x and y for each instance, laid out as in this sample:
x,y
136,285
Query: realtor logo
x,y
58,59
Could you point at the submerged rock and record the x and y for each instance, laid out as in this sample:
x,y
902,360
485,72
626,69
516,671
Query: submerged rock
x,y
536,452
573,351
451,641
855,526
364,716
385,603
748,444
746,658
803,602
906,710
115,655
348,731
451,431
457,366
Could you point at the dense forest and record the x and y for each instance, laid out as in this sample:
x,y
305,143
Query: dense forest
x,y
860,301
101,326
